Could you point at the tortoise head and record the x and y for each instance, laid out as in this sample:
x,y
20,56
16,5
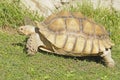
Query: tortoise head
x,y
26,30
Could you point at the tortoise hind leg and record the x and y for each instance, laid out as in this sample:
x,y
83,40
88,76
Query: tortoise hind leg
x,y
33,43
107,58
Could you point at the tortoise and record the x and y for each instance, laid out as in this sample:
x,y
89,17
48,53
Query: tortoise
x,y
69,33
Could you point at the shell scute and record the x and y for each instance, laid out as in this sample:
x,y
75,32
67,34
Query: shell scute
x,y
88,47
60,40
69,45
51,37
95,48
99,31
88,27
51,17
79,45
106,44
57,25
101,46
72,24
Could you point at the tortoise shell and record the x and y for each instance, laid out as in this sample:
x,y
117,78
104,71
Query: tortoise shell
x,y
74,33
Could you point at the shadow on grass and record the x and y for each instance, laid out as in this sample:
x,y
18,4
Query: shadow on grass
x,y
96,59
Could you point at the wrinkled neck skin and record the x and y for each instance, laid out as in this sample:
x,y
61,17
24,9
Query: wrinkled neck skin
x,y
29,31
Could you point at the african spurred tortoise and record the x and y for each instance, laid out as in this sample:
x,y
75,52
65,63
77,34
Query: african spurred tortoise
x,y
69,33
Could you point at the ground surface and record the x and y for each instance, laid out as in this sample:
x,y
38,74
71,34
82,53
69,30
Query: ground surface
x,y
16,65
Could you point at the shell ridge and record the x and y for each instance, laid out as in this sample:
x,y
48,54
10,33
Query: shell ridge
x,y
71,15
102,44
94,35
65,41
65,24
98,45
75,42
84,45
81,25
91,46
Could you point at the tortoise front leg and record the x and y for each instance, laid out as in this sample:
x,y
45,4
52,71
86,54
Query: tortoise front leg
x,y
33,43
108,58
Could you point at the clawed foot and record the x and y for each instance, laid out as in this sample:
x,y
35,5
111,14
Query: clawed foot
x,y
107,58
110,64
30,53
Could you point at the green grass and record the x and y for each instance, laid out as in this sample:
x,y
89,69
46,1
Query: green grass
x,y
16,65
11,14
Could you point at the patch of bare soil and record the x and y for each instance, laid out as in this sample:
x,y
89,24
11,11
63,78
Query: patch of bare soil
x,y
8,30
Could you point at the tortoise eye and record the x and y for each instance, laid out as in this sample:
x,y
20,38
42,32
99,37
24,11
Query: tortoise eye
x,y
21,28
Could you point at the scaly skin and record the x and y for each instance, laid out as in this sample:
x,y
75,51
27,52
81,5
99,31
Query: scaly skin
x,y
108,58
34,40
33,43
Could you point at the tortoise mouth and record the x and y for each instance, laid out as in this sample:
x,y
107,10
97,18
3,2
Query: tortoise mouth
x,y
19,32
